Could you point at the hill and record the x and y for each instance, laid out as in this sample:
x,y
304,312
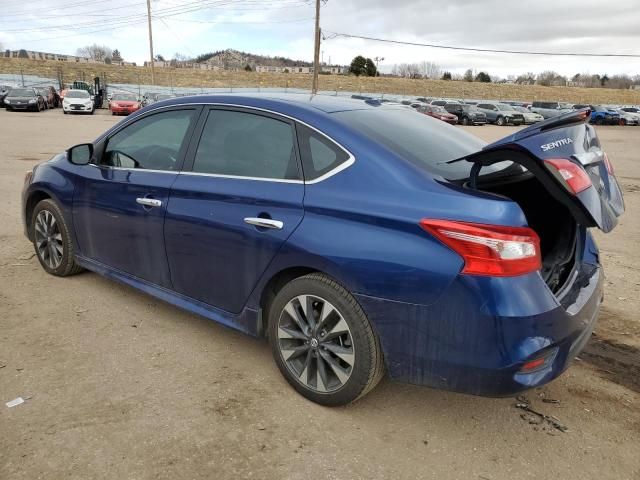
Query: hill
x,y
234,59
196,79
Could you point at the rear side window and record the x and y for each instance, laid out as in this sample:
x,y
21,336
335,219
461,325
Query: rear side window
x,y
319,154
419,139
242,144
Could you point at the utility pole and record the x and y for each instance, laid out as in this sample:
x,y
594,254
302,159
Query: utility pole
x,y
153,76
316,51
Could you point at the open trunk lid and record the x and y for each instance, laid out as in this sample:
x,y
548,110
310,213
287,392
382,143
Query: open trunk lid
x,y
564,153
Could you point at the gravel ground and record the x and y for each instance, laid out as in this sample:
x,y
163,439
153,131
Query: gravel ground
x,y
121,385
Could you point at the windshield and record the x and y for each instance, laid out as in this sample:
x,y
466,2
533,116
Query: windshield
x,y
521,109
505,108
21,92
164,97
469,108
124,97
421,140
77,94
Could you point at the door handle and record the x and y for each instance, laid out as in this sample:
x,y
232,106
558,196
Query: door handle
x,y
149,202
264,222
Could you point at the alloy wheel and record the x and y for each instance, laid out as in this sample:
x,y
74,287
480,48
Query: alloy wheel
x,y
48,239
316,343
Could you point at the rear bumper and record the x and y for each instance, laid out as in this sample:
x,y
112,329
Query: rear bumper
x,y
479,334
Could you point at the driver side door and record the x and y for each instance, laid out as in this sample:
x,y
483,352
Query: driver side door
x,y
120,200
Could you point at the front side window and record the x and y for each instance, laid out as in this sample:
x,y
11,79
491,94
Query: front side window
x,y
153,142
242,144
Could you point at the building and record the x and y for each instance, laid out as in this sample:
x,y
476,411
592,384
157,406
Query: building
x,y
33,55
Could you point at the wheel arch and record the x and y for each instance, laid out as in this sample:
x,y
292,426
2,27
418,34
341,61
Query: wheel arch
x,y
271,288
35,197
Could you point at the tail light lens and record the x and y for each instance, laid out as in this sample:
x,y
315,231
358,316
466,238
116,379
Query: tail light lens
x,y
489,250
574,176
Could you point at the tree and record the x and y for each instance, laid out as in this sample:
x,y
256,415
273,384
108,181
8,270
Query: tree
x,y
247,68
115,56
604,79
159,58
98,53
430,70
468,76
107,60
358,66
370,68
23,53
446,76
483,77
550,78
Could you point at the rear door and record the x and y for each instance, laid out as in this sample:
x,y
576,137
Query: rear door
x,y
235,203
565,154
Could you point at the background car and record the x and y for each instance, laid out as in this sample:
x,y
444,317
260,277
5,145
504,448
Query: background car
x,y
4,90
436,111
550,109
123,104
50,96
501,114
480,280
601,115
467,114
77,101
24,98
628,118
529,116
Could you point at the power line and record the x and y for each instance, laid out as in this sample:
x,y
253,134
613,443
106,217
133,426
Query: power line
x,y
333,35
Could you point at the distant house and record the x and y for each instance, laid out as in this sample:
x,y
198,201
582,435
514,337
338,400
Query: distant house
x,y
33,55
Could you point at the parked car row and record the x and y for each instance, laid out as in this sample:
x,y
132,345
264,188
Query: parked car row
x,y
480,112
29,98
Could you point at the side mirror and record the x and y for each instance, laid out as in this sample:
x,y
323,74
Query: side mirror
x,y
80,154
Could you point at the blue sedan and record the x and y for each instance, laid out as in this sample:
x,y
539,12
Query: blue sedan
x,y
358,238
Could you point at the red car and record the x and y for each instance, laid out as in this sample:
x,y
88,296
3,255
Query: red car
x,y
439,112
123,103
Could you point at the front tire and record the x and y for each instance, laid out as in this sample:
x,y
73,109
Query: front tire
x,y
323,342
52,240
500,121
465,121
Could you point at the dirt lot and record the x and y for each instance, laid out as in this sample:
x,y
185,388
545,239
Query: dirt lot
x,y
121,385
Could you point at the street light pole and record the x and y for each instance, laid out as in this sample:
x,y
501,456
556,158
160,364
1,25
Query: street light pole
x,y
153,76
316,51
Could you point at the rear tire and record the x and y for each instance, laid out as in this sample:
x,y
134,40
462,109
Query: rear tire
x,y
465,121
322,341
52,240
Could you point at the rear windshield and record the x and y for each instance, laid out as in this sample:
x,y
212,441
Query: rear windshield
x,y
124,97
424,141
77,94
21,92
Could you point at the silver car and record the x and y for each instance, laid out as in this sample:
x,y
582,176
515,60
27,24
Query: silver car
x,y
529,116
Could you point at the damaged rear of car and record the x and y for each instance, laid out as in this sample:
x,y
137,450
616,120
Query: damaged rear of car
x,y
530,285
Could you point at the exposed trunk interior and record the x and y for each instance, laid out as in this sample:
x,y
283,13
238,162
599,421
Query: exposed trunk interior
x,y
550,219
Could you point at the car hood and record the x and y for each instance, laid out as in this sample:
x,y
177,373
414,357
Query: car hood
x,y
20,98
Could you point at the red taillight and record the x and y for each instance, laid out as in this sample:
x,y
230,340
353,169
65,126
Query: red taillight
x,y
573,174
533,364
491,250
608,164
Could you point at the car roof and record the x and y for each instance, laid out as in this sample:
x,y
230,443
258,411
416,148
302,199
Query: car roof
x,y
279,101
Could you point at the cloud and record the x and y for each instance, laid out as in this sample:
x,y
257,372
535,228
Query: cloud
x,y
284,28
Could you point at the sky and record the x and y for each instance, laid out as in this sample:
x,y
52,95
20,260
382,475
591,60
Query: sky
x,y
285,28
